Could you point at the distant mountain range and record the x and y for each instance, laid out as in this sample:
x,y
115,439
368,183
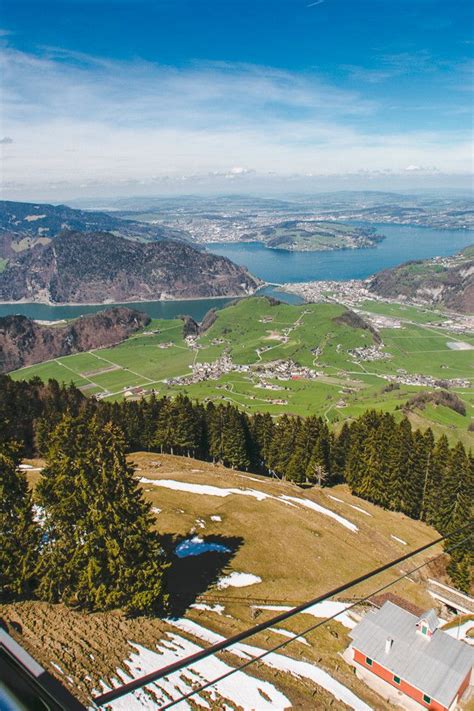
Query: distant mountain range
x,y
24,224
99,267
24,341
443,281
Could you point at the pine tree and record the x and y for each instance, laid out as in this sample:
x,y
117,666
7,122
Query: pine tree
x,y
283,445
19,534
434,483
340,452
455,513
101,551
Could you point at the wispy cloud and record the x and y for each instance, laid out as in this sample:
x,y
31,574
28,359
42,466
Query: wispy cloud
x,y
144,122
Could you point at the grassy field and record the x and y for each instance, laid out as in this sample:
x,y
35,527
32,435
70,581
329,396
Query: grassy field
x,y
251,527
253,332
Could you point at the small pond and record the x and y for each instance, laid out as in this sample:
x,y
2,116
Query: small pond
x,y
197,546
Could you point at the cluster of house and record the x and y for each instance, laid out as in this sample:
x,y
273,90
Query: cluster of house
x,y
369,353
426,380
409,660
285,370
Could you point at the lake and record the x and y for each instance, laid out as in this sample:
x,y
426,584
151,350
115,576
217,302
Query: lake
x,y
401,244
277,266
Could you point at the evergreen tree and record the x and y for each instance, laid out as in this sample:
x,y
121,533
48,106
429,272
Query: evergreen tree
x,y
456,512
283,445
434,483
19,534
101,551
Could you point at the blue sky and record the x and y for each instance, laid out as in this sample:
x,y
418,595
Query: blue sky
x,y
150,96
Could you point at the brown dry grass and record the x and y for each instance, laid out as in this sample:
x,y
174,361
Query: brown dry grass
x,y
297,552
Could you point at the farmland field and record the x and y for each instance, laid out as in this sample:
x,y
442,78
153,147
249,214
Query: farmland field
x,y
254,334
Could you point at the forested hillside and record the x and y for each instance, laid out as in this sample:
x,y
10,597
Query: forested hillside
x,y
99,267
383,461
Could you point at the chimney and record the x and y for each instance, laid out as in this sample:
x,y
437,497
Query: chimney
x,y
388,645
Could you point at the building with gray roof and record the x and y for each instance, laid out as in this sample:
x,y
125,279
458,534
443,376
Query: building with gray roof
x,y
414,655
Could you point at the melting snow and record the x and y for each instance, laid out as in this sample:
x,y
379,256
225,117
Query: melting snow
x,y
156,510
238,580
353,506
322,510
400,540
327,608
216,518
56,666
287,633
208,490
241,689
280,662
218,609
460,632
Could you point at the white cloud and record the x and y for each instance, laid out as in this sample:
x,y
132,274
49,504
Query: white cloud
x,y
83,121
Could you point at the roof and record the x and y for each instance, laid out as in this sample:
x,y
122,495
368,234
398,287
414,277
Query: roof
x,y
437,666
379,600
430,618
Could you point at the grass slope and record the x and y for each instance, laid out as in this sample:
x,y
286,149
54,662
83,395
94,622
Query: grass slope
x,y
297,552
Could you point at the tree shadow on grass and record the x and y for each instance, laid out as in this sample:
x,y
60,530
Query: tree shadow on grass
x,y
191,575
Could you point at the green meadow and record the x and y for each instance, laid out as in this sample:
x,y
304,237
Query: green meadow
x,y
253,331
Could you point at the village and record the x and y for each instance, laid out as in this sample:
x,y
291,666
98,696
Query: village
x,y
277,370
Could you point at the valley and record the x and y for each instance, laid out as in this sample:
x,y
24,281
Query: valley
x,y
280,358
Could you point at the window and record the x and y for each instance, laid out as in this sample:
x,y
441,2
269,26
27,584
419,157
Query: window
x,y
396,679
426,699
424,630
368,661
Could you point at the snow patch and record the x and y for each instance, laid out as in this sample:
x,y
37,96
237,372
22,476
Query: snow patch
x,y
240,689
460,632
208,490
400,540
291,635
327,608
322,510
358,508
353,506
156,510
218,609
216,518
56,666
238,580
282,663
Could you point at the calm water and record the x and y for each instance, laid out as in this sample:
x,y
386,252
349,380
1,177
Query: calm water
x,y
278,266
400,245
156,309
196,546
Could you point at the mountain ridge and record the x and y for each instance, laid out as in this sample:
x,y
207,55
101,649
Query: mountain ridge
x,y
98,267
441,281
26,342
